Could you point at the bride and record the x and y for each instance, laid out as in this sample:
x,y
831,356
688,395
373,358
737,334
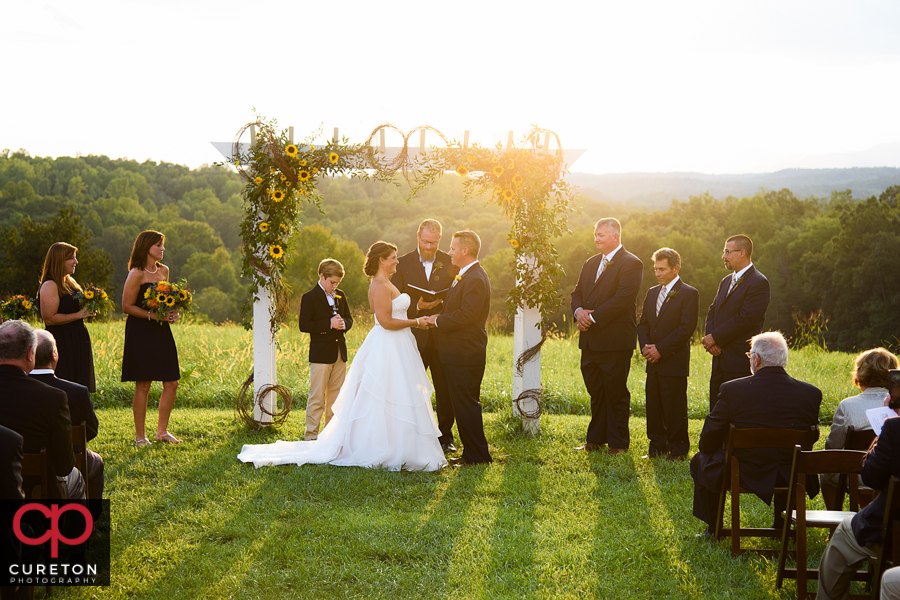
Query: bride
x,y
382,416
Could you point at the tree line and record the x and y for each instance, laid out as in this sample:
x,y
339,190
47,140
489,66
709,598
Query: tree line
x,y
828,260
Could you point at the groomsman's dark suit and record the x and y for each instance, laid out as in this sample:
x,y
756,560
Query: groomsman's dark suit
x,y
81,409
732,320
40,414
462,354
666,388
770,398
315,319
607,346
410,270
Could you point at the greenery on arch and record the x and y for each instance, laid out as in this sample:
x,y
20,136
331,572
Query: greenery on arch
x,y
281,180
528,185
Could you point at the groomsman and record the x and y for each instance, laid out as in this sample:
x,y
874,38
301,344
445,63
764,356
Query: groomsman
x,y
736,315
325,316
428,268
603,303
668,320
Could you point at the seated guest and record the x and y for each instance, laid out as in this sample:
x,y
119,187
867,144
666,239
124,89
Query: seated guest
x,y
890,584
768,398
11,465
11,495
857,537
46,355
870,375
36,411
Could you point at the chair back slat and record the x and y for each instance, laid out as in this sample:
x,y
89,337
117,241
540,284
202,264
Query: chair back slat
x,y
79,447
829,461
859,439
34,474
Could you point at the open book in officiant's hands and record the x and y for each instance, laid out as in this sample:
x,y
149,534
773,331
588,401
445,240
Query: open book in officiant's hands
x,y
429,295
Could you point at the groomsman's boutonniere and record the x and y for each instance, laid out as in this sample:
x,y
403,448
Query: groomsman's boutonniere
x,y
337,296
438,265
672,294
737,283
458,278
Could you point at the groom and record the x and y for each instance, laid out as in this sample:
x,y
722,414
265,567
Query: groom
x,y
462,345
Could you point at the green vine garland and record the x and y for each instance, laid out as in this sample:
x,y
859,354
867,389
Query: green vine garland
x,y
526,183
529,187
281,177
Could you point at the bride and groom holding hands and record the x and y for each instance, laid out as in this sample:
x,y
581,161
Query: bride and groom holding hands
x,y
383,416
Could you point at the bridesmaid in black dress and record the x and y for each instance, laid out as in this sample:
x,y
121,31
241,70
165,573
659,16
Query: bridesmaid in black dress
x,y
150,354
63,317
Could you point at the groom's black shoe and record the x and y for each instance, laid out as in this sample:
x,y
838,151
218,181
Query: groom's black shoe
x,y
448,448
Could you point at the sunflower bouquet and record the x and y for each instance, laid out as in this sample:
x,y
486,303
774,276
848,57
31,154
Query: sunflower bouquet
x,y
18,307
95,300
164,296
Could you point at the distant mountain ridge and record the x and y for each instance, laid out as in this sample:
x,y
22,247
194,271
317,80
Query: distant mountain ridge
x,y
657,190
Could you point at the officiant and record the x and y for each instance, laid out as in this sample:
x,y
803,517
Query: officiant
x,y
426,274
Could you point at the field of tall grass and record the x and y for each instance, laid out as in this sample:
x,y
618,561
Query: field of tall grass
x,y
216,359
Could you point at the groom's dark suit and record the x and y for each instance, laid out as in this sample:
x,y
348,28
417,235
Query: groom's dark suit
x,y
411,271
462,353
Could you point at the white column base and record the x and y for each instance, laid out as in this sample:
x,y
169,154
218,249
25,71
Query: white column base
x,y
527,335
263,358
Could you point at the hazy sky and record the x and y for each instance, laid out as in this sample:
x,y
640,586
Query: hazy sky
x,y
643,86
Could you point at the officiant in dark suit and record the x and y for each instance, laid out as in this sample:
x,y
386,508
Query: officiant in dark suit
x,y
462,345
668,320
428,268
325,316
603,303
736,315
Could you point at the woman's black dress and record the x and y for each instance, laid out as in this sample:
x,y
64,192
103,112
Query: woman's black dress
x,y
150,353
76,360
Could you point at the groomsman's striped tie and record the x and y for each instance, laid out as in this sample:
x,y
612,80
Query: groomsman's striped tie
x,y
603,264
661,299
734,281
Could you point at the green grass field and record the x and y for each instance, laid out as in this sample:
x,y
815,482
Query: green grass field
x,y
543,521
215,361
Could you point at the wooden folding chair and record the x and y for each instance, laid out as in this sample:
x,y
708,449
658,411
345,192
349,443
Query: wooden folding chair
x,y
847,462
857,439
890,537
762,437
34,474
79,446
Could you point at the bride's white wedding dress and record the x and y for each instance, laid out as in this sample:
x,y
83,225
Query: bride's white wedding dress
x,y
382,416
